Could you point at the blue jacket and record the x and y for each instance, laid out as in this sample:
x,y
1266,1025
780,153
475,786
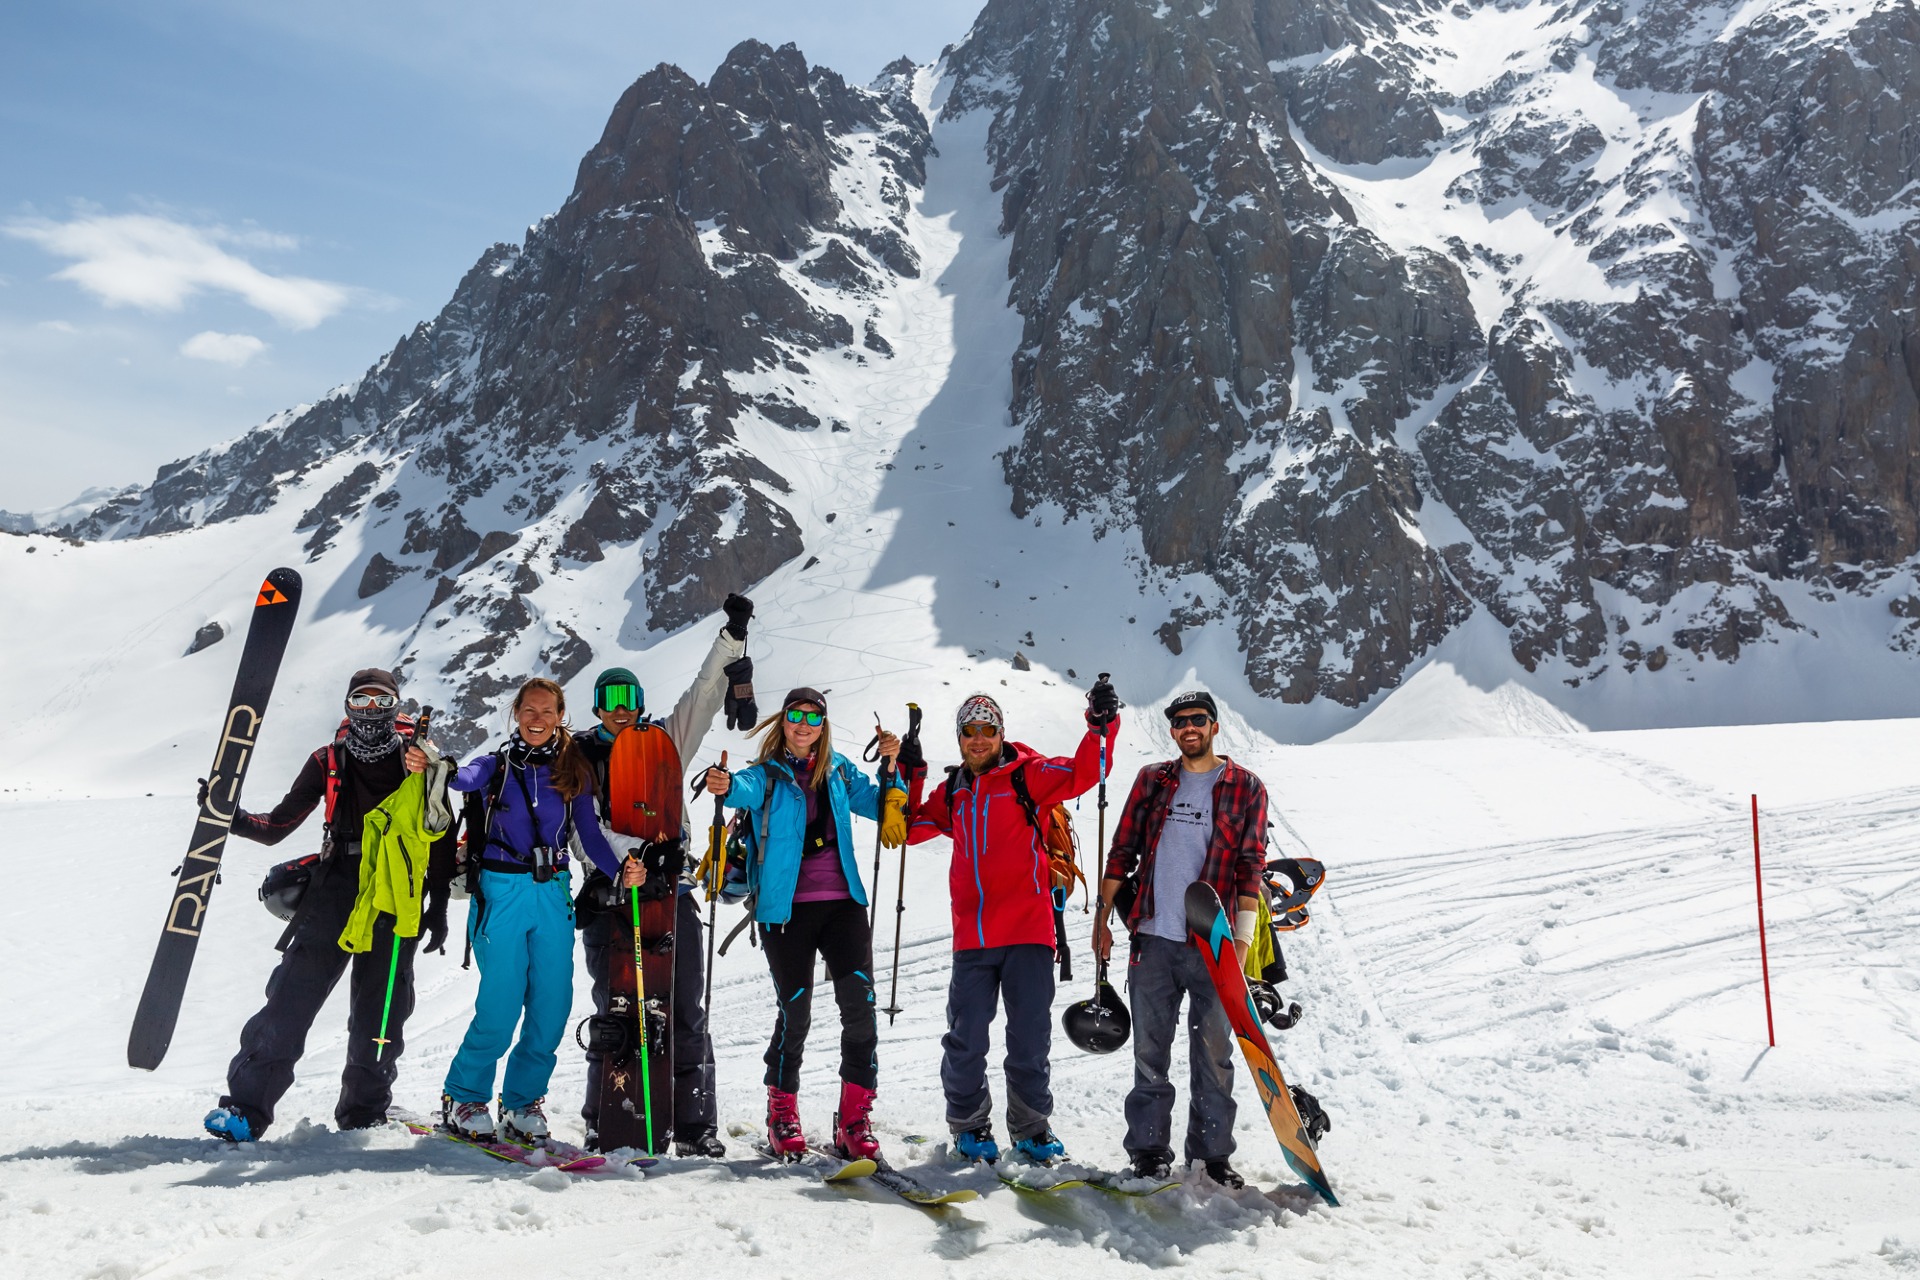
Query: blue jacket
x,y
778,807
510,835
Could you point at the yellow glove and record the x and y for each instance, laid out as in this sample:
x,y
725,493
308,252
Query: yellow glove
x,y
893,819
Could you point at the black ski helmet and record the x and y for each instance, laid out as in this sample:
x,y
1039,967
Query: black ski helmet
x,y
286,884
1101,1024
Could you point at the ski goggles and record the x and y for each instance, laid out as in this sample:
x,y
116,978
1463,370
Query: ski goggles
x,y
979,729
812,719
618,697
1198,720
362,701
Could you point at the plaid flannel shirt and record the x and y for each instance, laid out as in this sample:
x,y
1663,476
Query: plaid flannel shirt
x,y
1235,852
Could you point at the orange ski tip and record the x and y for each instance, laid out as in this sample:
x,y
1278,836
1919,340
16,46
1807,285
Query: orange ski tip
x,y
269,594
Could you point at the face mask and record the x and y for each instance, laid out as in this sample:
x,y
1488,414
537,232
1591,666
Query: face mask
x,y
371,733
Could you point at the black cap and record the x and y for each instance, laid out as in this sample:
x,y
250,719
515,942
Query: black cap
x,y
803,694
1191,699
373,678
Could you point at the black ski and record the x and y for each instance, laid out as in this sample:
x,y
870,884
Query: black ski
x,y
267,633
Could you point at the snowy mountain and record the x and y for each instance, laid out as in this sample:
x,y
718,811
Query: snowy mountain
x,y
1568,349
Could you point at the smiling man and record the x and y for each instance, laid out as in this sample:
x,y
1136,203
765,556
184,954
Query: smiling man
x,y
1003,939
1199,817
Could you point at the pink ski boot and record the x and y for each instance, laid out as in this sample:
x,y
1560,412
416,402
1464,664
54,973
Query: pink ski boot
x,y
852,1126
783,1125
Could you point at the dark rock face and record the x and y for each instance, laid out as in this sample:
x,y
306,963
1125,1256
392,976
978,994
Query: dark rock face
x,y
206,637
1622,466
1643,351
571,403
1194,302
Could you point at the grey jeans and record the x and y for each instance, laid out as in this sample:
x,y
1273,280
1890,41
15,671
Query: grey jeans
x,y
1161,973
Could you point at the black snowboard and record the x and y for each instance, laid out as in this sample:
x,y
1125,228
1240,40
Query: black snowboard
x,y
636,1089
272,623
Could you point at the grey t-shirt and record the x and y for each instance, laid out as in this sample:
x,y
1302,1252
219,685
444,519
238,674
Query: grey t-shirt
x,y
1181,853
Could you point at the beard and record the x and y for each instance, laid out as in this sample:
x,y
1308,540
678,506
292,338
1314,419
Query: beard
x,y
1200,750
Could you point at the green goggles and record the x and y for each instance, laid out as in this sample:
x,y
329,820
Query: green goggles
x,y
813,719
619,697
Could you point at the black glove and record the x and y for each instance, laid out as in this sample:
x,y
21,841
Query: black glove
x,y
739,609
912,760
201,799
433,922
742,711
1103,704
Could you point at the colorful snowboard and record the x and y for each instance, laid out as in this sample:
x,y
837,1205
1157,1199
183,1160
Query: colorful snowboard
x,y
274,608
1208,926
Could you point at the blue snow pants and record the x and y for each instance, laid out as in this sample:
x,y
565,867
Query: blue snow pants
x,y
523,943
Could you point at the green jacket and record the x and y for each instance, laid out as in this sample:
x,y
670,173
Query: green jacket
x,y
395,842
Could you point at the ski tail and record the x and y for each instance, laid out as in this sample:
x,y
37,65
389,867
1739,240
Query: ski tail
x,y
1208,927
274,609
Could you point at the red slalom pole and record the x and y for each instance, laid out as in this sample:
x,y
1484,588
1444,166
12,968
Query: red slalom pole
x,y
1766,983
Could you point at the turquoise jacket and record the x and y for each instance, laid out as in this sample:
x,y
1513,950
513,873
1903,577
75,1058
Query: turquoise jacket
x,y
778,819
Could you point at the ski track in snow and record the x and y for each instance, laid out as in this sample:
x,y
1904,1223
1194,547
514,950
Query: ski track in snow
x,y
1532,984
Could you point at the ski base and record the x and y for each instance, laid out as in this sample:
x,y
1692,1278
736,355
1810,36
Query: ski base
x,y
913,1191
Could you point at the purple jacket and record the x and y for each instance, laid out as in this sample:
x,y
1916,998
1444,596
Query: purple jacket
x,y
511,831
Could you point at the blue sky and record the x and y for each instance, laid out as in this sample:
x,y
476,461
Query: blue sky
x,y
213,210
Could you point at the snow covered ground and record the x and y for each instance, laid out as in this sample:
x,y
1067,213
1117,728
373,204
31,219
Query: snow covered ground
x,y
1533,1010
1532,983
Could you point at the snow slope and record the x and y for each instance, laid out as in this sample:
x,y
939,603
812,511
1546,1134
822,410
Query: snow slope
x,y
1533,1010
1532,988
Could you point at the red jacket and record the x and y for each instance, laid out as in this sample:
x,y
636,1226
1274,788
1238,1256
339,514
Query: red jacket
x,y
1000,879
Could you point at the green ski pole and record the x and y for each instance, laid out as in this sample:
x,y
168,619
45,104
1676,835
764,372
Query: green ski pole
x,y
393,969
640,994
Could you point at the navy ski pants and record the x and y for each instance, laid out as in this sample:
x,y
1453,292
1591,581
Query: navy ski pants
x,y
1023,975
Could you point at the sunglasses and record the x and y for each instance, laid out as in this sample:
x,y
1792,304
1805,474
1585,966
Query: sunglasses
x,y
617,697
1198,720
812,719
979,730
361,701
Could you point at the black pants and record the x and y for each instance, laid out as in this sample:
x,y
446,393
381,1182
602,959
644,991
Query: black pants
x,y
693,1097
274,1038
838,933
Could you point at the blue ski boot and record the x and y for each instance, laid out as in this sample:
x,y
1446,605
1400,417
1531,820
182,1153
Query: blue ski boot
x,y
1042,1147
977,1145
229,1124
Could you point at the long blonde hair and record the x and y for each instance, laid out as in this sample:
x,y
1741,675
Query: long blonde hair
x,y
774,741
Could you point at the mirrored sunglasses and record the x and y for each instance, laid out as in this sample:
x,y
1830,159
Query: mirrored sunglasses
x,y
361,701
979,729
812,718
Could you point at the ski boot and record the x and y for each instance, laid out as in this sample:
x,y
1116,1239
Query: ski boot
x,y
977,1145
1223,1173
784,1136
700,1142
526,1124
466,1119
1152,1165
1041,1148
229,1124
852,1124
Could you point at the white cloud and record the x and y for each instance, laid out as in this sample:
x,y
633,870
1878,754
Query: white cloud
x,y
223,348
154,263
